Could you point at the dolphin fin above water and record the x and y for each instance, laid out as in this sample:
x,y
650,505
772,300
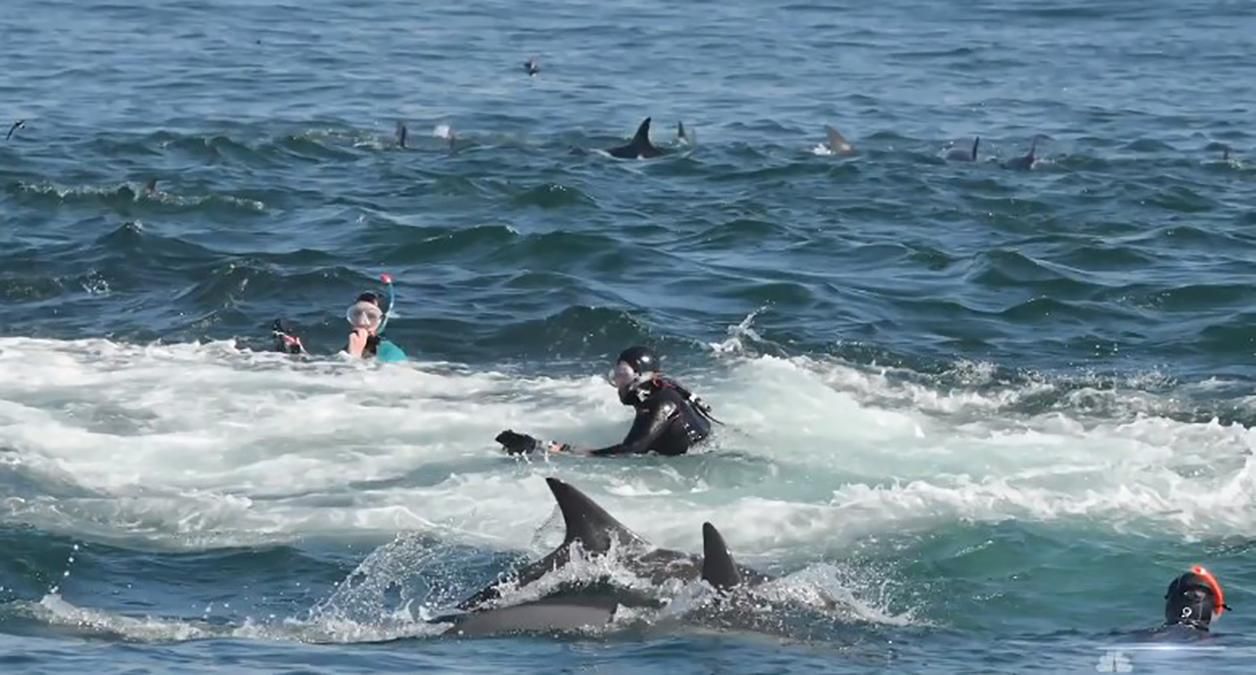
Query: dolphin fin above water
x,y
1026,162
960,155
640,147
587,522
16,125
718,568
837,143
686,136
401,133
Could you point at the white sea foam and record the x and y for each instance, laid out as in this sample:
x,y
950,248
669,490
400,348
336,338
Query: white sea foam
x,y
193,446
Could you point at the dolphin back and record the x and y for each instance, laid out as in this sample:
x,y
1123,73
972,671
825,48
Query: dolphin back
x,y
546,615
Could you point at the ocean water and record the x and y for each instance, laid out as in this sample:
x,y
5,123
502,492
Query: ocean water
x,y
978,417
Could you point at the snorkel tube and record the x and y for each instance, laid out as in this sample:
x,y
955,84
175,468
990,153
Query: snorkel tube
x,y
388,280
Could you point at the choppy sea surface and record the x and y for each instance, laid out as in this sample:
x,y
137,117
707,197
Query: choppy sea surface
x,y
978,417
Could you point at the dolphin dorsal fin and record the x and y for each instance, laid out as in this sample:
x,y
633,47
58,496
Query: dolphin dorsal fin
x,y
586,521
837,142
718,568
1033,148
641,140
686,136
976,142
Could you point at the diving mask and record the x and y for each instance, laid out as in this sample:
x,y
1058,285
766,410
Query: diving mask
x,y
364,315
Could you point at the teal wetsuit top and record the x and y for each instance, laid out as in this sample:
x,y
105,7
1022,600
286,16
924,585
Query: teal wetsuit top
x,y
382,350
387,352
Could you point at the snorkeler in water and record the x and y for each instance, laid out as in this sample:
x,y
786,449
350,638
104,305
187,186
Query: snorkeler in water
x,y
367,320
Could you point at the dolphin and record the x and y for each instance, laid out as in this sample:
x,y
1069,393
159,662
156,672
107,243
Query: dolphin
x,y
959,155
532,66
16,125
595,605
688,137
568,612
640,147
401,134
1026,162
837,143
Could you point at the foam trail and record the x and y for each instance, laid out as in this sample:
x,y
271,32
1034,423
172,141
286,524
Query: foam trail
x,y
194,446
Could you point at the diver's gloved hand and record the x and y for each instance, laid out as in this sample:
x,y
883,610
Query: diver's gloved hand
x,y
516,444
284,342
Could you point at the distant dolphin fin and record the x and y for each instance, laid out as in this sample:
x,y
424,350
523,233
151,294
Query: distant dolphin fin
x,y
686,136
976,142
402,132
151,186
718,568
16,125
585,520
837,142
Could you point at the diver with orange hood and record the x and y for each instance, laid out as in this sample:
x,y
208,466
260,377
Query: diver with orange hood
x,y
1194,600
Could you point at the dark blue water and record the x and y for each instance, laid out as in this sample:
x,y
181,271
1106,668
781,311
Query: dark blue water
x,y
980,417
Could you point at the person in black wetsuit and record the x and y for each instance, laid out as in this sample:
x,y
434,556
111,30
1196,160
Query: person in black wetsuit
x,y
669,420
1194,600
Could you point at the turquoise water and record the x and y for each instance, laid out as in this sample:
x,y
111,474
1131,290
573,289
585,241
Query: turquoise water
x,y
979,417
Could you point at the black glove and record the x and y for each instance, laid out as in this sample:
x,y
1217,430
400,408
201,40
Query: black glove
x,y
516,444
284,341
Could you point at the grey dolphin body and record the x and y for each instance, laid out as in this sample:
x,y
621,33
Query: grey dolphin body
x,y
546,615
639,147
958,155
595,605
16,125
